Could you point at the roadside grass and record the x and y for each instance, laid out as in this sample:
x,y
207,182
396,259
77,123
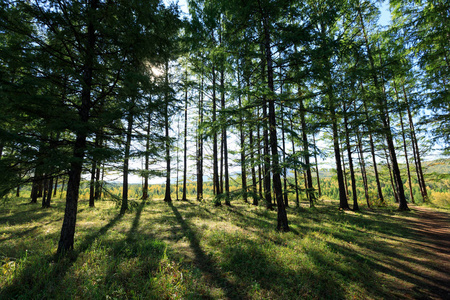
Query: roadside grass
x,y
191,250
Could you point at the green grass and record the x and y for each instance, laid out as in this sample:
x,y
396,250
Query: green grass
x,y
188,250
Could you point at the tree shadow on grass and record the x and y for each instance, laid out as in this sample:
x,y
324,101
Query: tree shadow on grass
x,y
43,274
268,277
205,263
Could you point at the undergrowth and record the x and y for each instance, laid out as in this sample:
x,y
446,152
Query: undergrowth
x,y
191,250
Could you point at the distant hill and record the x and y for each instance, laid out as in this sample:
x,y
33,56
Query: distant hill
x,y
438,166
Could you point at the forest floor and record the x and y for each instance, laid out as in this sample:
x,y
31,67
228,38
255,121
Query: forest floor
x,y
432,245
191,250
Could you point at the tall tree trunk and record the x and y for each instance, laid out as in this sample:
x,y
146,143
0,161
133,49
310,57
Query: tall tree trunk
x,y
372,152
216,183
48,195
224,137
66,240
253,169
62,187
297,198
282,221
404,144
416,152
317,167
167,196
221,164
93,173
306,154
92,184
183,197
266,175
200,144
147,156
350,160
124,206
260,180
343,203
344,171
382,102
362,163
242,142
178,160
35,185
283,139
394,188
55,187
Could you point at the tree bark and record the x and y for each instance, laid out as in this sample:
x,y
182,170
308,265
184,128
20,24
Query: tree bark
x,y
282,221
381,100
183,197
404,145
350,161
124,206
317,167
147,156
66,240
306,154
200,145
416,152
167,195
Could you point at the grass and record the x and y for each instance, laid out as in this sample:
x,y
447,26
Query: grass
x,y
190,250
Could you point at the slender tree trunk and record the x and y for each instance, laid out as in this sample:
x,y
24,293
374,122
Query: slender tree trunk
x,y
92,184
62,187
183,197
35,186
48,195
317,167
416,152
200,145
243,148
306,154
126,160
224,138
404,145
381,100
178,161
55,187
260,181
147,157
363,166
221,164
253,169
343,203
394,189
283,139
297,198
344,171
266,175
216,183
167,196
350,161
282,223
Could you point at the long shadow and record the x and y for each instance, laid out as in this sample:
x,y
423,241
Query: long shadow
x,y
24,217
55,267
205,263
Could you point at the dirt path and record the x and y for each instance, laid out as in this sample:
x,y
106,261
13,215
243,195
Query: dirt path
x,y
432,248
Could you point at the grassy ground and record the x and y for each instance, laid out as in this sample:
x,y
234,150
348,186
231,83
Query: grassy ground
x,y
187,250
